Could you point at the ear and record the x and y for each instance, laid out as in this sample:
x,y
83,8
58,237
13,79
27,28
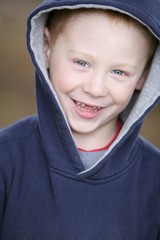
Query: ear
x,y
47,44
142,80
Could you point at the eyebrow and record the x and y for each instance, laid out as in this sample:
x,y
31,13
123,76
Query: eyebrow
x,y
121,65
85,54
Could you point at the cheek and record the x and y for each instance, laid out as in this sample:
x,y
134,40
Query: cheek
x,y
60,81
61,76
57,75
122,95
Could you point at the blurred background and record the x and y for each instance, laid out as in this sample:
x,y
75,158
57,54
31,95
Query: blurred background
x,y
17,95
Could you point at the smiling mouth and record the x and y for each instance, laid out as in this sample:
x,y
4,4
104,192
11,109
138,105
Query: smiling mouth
x,y
86,108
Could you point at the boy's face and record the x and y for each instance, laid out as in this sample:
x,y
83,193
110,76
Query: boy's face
x,y
95,65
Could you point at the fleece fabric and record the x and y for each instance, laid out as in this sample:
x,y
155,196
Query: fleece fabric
x,y
45,191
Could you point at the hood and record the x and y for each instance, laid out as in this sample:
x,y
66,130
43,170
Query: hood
x,y
52,120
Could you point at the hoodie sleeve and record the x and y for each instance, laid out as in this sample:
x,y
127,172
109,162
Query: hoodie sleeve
x,y
6,177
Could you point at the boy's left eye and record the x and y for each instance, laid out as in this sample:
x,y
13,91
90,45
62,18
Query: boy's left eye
x,y
118,72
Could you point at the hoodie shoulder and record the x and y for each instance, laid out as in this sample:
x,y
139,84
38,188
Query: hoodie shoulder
x,y
19,129
150,151
12,147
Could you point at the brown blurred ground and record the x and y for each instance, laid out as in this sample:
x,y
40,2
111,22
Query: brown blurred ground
x,y
17,98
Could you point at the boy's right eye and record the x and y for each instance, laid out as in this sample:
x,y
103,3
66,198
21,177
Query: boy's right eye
x,y
81,63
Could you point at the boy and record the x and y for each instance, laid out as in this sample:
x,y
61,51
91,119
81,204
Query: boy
x,y
79,170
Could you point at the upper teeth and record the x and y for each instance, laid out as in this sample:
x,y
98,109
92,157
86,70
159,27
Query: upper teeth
x,y
84,105
81,104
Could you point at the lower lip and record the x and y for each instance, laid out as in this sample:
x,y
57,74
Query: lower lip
x,y
84,114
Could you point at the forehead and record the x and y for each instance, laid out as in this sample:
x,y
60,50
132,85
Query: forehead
x,y
106,20
95,24
101,37
59,20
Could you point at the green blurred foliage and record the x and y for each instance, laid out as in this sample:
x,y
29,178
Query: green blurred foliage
x,y
17,94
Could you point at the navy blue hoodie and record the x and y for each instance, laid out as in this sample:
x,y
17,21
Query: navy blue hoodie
x,y
45,191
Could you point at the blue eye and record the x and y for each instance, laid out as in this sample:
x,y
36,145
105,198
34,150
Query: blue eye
x,y
118,72
82,63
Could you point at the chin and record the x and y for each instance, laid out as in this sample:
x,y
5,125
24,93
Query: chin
x,y
83,129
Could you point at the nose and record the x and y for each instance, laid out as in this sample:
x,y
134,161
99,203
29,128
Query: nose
x,y
96,86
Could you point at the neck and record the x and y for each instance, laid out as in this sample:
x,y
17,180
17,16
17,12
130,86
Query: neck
x,y
95,139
